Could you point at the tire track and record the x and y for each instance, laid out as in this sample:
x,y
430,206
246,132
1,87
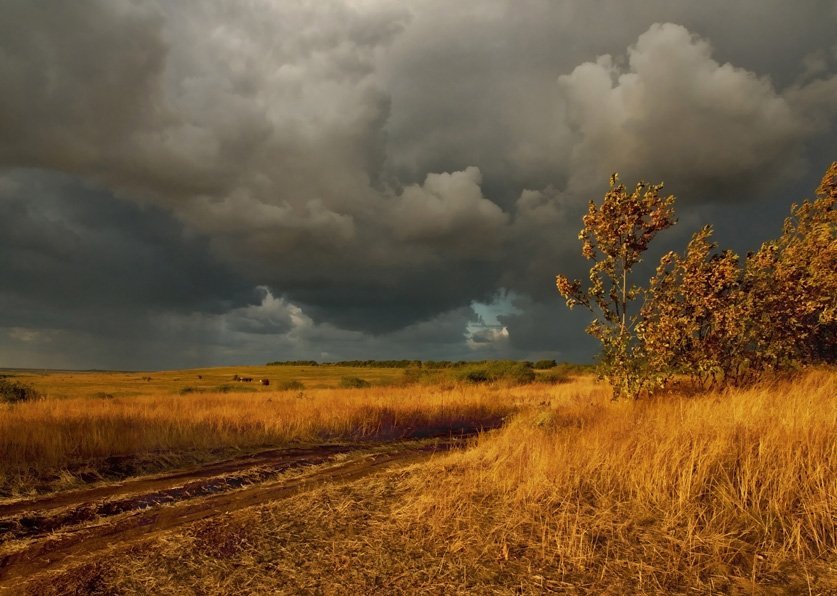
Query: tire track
x,y
165,480
21,561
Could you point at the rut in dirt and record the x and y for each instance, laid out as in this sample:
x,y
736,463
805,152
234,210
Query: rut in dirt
x,y
39,516
78,533
157,481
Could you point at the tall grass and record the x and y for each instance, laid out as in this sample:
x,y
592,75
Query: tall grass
x,y
720,492
39,439
67,384
730,492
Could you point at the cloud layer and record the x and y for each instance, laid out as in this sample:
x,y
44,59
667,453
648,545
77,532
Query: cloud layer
x,y
276,179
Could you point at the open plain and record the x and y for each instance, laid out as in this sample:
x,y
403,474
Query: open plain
x,y
393,488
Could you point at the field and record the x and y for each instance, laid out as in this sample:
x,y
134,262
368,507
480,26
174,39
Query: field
x,y
128,384
95,426
329,489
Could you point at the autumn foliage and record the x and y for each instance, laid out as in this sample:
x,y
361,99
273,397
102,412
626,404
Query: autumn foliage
x,y
615,235
705,313
792,286
694,317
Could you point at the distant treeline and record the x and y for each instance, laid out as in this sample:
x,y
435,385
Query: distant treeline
x,y
426,364
352,363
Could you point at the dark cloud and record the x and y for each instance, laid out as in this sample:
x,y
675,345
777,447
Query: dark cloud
x,y
478,87
535,330
72,253
349,177
79,79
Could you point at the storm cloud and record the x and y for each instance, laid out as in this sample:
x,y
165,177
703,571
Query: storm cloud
x,y
189,183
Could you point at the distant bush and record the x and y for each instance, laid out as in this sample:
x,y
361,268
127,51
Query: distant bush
x,y
544,364
14,391
498,370
353,383
437,364
292,385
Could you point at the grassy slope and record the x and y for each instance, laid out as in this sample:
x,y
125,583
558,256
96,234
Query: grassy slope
x,y
733,492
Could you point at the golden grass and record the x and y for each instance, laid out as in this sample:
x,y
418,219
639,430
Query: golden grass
x,y
40,439
727,491
734,492
63,384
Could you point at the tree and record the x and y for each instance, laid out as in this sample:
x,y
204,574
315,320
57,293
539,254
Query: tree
x,y
708,317
791,286
614,237
695,316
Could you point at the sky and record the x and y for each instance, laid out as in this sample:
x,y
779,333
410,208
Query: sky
x,y
191,183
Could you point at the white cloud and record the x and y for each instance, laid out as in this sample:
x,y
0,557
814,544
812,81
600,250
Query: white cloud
x,y
448,206
676,112
487,338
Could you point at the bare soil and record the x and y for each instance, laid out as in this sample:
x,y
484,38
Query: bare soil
x,y
49,533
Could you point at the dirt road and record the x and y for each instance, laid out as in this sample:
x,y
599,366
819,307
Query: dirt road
x,y
45,534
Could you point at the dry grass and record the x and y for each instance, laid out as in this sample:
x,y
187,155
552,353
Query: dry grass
x,y
722,492
64,384
727,493
54,441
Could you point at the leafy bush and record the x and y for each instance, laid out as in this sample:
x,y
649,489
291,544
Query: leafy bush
x,y
721,322
792,286
694,317
353,383
15,391
440,364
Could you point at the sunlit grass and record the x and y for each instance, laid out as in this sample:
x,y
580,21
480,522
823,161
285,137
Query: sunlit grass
x,y
60,384
714,492
730,492
38,439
